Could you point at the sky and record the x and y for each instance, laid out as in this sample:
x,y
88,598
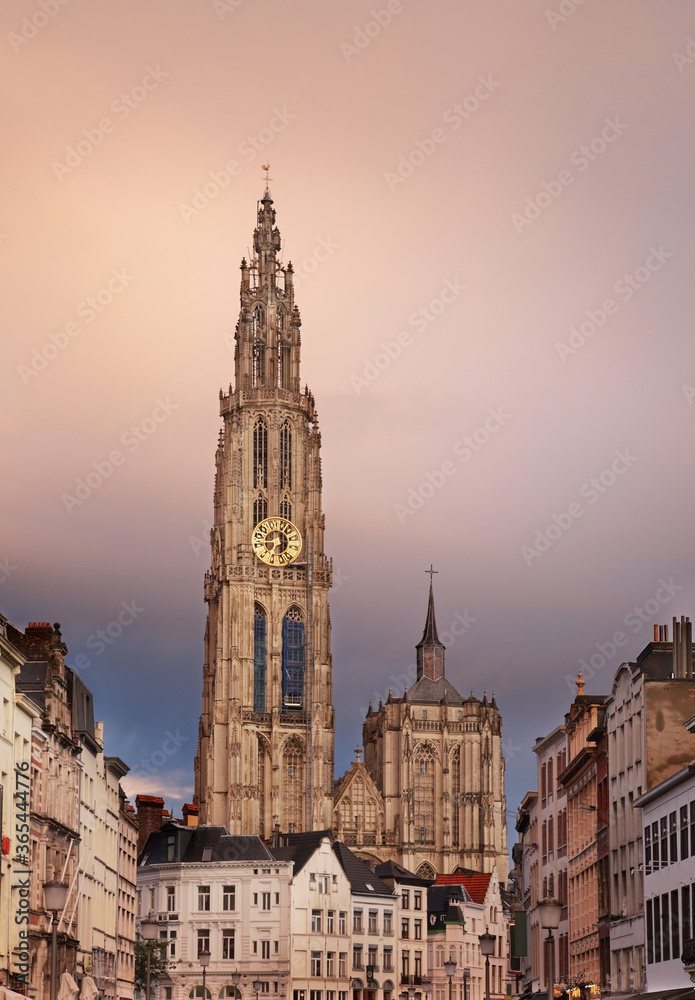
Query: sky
x,y
489,209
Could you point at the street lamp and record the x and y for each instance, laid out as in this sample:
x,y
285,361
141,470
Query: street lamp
x,y
466,977
236,979
487,948
257,984
148,931
450,970
550,911
55,896
204,959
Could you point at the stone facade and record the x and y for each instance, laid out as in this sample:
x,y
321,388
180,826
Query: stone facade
x,y
267,725
430,794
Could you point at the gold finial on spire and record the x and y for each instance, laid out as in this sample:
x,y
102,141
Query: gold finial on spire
x,y
268,178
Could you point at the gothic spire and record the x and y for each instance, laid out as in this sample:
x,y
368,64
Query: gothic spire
x,y
267,336
430,651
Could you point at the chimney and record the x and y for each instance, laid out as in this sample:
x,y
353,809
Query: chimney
x,y
190,814
683,648
149,811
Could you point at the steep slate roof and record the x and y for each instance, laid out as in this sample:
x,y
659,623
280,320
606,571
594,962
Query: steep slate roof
x,y
298,847
391,869
361,879
202,844
476,883
427,690
32,681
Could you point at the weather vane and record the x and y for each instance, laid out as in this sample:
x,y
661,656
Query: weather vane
x,y
268,178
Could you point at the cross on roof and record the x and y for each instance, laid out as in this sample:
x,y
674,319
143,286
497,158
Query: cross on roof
x,y
431,572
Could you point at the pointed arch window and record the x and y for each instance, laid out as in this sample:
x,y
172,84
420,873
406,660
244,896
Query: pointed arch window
x,y
283,365
259,658
293,786
260,455
286,456
423,793
292,660
455,796
260,510
258,354
286,508
262,791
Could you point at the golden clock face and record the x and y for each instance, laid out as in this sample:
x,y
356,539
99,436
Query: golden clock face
x,y
276,541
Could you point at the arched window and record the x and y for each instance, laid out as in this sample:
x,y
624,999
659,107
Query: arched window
x,y
370,814
197,991
260,510
293,786
426,871
259,658
346,813
257,323
283,365
260,455
286,456
292,660
262,791
455,763
280,320
423,793
286,508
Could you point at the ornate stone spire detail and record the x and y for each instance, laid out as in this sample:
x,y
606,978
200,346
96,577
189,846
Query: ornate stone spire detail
x,y
430,651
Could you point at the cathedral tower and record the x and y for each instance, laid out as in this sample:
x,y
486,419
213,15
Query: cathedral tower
x,y
266,734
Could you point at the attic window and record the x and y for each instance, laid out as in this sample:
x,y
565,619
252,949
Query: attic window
x,y
371,887
424,713
207,854
145,859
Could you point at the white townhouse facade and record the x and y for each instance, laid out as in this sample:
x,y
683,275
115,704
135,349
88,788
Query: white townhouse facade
x,y
344,920
228,895
668,864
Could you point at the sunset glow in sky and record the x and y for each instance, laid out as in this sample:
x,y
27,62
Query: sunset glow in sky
x,y
489,209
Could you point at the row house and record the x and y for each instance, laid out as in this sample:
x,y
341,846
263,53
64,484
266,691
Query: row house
x,y
16,722
620,747
668,866
76,824
344,930
477,896
583,723
551,760
210,892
